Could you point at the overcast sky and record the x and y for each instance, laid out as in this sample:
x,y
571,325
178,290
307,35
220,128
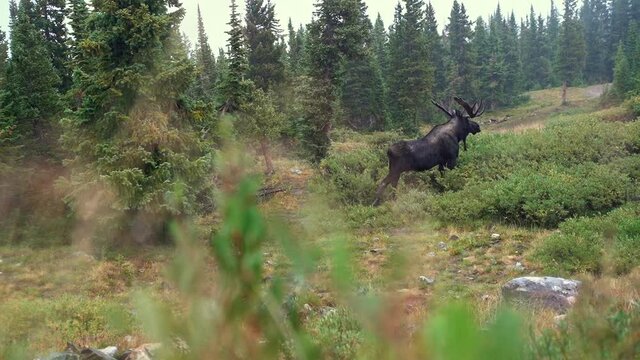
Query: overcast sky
x,y
216,12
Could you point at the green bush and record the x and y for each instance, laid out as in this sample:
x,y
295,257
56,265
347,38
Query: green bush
x,y
338,333
542,197
581,242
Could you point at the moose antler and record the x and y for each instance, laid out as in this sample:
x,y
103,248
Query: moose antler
x,y
473,111
444,109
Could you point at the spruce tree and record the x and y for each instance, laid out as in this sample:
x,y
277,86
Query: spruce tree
x,y
49,18
338,33
460,76
594,16
205,64
512,65
131,137
481,47
266,68
570,59
4,58
553,36
435,49
622,80
78,14
295,47
235,88
379,41
31,100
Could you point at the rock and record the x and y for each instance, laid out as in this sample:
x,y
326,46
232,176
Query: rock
x,y
327,310
94,354
431,254
61,356
110,350
519,267
307,308
296,171
442,245
486,297
376,251
426,280
549,292
454,237
495,237
143,352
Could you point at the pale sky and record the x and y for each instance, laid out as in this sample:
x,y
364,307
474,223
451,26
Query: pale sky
x,y
216,13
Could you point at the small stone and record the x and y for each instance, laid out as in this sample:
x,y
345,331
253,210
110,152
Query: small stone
x,y
486,297
376,251
519,267
495,237
454,237
110,350
442,245
426,280
307,308
431,254
296,171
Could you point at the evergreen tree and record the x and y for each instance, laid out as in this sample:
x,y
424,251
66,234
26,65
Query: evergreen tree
x,y
435,49
49,18
553,36
295,47
30,101
530,52
4,58
78,14
132,135
205,64
460,76
265,56
235,87
570,59
512,66
413,83
379,42
622,80
13,12
338,33
594,18
481,47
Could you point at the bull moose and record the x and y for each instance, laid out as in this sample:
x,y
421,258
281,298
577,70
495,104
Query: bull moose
x,y
439,147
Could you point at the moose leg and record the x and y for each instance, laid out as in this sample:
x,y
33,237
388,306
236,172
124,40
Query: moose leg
x,y
441,169
464,142
394,183
381,188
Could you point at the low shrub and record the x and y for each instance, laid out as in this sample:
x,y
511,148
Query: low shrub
x,y
542,197
581,242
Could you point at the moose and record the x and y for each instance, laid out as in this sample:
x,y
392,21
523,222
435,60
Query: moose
x,y
439,147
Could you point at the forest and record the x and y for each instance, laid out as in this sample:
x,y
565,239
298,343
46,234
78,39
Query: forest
x,y
161,199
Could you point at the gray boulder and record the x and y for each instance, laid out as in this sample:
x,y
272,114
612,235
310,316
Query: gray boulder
x,y
554,293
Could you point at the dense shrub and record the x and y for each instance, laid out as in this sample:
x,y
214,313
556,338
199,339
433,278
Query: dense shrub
x,y
542,197
580,243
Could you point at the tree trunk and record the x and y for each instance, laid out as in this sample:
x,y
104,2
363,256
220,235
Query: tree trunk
x,y
564,93
264,147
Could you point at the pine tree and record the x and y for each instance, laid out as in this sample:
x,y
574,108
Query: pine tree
x,y
338,33
78,14
266,68
131,134
4,58
553,36
30,100
13,12
622,80
530,52
205,64
460,77
570,59
594,16
435,49
512,65
379,42
481,47
295,47
235,87
49,18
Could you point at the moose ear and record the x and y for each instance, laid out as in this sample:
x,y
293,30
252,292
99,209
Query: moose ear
x,y
448,112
